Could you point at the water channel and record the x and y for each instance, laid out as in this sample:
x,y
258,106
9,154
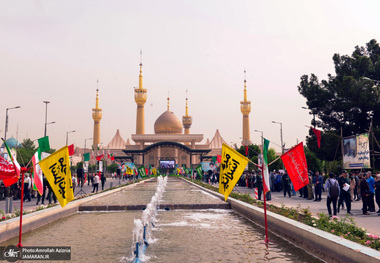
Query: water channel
x,y
208,235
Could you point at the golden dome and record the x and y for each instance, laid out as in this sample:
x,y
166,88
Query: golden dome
x,y
168,123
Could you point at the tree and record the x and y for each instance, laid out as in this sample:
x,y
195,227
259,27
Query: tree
x,y
313,163
277,165
112,168
348,100
346,103
26,152
253,152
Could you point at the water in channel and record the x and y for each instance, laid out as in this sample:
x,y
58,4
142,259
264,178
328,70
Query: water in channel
x,y
212,235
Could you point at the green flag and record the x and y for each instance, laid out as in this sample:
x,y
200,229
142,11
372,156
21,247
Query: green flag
x,y
142,171
43,144
214,159
86,157
265,162
199,171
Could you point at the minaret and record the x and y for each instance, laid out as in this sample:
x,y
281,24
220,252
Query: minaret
x,y
97,116
187,120
140,98
245,107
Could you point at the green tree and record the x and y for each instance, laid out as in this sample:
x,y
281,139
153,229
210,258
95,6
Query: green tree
x,y
25,152
313,163
346,102
253,152
277,165
349,99
112,168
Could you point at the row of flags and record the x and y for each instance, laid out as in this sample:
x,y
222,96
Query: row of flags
x,y
233,165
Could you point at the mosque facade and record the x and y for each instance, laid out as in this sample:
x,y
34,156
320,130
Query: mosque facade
x,y
172,140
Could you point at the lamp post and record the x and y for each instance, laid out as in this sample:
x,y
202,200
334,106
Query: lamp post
x,y
46,102
262,140
67,136
6,121
282,144
52,122
312,112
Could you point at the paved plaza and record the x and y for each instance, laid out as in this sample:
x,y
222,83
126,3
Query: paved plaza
x,y
369,222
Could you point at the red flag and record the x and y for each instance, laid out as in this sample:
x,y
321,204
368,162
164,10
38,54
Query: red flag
x,y
112,157
7,172
296,166
109,156
99,157
219,158
318,135
71,149
146,171
246,150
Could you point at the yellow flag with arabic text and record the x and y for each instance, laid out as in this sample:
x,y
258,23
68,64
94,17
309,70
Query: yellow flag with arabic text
x,y
231,168
129,170
154,171
56,169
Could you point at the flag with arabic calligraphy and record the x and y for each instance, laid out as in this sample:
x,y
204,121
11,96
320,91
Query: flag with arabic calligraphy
x,y
231,168
296,166
56,169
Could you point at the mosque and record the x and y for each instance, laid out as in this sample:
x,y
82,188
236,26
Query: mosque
x,y
171,142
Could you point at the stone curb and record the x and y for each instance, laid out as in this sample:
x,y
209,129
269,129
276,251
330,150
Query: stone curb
x,y
323,245
10,228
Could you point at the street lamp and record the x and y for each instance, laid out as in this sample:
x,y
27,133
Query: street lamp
x,y
312,112
282,144
6,121
67,136
46,102
262,140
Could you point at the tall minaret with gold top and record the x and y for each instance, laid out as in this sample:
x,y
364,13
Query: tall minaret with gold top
x,y
245,107
140,98
187,120
97,116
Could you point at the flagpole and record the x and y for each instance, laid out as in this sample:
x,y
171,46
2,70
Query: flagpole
x,y
265,209
23,169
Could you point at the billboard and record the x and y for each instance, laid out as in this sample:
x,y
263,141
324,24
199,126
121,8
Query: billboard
x,y
355,151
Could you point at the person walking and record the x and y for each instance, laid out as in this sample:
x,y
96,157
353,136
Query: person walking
x,y
27,187
286,184
352,186
371,194
103,180
74,182
318,184
377,192
44,186
344,184
364,190
95,183
333,190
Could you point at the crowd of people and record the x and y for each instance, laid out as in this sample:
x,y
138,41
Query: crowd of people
x,y
341,190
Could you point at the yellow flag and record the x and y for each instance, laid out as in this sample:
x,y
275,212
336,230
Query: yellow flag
x,y
129,170
231,168
56,169
154,171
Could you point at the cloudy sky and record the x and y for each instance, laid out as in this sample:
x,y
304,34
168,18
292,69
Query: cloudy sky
x,y
56,50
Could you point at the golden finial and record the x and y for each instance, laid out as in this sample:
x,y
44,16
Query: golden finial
x,y
168,100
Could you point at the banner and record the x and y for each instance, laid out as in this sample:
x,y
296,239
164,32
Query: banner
x,y
56,169
231,168
355,151
296,166
199,171
129,170
142,172
7,172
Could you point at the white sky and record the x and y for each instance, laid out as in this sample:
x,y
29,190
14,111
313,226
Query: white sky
x,y
56,50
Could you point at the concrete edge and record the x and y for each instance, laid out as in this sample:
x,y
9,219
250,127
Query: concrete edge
x,y
322,244
10,228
